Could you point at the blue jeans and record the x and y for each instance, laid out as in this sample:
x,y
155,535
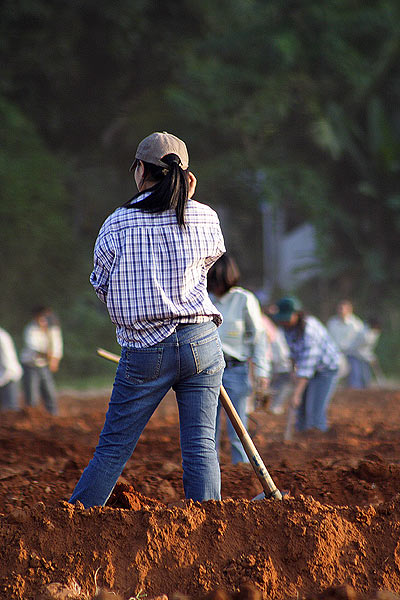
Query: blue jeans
x,y
360,373
190,361
316,397
9,396
39,381
236,382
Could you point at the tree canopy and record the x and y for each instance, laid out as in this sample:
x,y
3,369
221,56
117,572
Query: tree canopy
x,y
295,103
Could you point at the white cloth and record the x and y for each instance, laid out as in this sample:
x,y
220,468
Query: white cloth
x,y
364,343
41,344
344,331
10,369
242,332
278,351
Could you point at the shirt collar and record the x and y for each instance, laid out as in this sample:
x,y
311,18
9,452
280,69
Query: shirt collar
x,y
139,197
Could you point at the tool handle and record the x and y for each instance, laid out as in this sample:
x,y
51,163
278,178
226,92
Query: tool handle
x,y
108,355
255,459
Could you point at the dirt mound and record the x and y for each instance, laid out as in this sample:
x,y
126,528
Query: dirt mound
x,y
335,536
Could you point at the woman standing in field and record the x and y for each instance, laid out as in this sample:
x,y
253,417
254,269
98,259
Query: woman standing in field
x,y
316,363
151,260
243,341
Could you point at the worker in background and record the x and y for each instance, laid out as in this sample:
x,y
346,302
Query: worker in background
x,y
281,365
243,342
316,364
362,357
344,327
40,358
10,373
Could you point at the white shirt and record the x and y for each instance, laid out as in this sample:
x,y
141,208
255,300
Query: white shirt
x,y
364,343
279,352
10,369
40,344
344,331
242,331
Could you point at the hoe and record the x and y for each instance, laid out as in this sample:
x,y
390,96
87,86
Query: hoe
x,y
269,487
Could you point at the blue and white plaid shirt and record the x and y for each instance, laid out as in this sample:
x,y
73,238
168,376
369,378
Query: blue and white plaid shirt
x,y
152,275
314,351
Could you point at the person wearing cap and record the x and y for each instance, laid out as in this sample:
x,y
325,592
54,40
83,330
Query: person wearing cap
x,y
151,260
243,342
316,363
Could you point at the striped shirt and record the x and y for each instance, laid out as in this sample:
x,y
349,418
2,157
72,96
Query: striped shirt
x,y
314,351
152,275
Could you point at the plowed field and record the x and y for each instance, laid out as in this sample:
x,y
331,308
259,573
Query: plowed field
x,y
339,525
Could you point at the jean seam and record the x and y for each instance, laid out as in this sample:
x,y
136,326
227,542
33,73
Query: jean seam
x,y
204,340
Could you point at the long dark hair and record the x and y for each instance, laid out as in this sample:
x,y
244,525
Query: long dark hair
x,y
300,326
170,190
223,275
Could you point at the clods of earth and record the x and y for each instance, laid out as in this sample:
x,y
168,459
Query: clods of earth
x,y
335,535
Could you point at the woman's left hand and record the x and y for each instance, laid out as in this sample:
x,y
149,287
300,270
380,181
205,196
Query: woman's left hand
x,y
300,385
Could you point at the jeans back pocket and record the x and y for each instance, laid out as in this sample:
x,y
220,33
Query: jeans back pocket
x,y
143,364
208,355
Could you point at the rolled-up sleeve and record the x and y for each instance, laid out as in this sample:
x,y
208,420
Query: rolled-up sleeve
x,y
104,253
218,248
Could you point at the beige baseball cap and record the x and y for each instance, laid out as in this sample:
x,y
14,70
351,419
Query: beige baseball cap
x,y
159,144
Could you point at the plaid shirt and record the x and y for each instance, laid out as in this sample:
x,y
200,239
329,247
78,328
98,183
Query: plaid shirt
x,y
152,275
314,351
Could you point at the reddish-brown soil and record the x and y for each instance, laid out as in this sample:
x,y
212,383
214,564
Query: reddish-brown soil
x,y
339,526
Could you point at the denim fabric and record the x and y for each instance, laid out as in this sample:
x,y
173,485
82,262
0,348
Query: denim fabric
x,y
191,362
317,395
360,373
9,396
38,381
236,382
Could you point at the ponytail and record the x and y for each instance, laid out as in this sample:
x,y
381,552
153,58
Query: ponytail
x,y
170,190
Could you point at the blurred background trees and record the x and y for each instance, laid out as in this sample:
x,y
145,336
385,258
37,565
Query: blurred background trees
x,y
296,104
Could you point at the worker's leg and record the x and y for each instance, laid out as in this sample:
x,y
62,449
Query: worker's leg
x,y
143,378
197,391
318,396
48,390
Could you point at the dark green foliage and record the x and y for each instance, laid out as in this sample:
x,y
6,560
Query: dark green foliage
x,y
295,102
38,248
